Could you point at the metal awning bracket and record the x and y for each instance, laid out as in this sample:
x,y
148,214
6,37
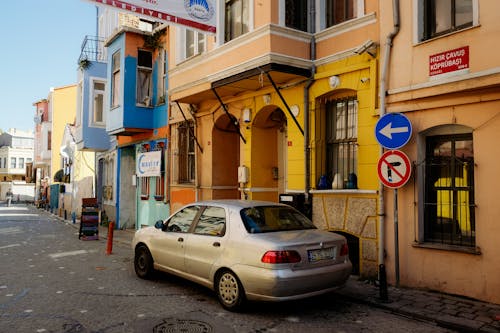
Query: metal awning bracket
x,y
190,129
235,123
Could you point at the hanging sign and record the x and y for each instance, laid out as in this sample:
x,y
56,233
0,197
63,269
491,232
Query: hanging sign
x,y
394,168
200,14
148,164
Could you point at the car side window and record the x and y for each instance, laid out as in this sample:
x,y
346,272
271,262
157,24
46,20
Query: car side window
x,y
212,222
182,220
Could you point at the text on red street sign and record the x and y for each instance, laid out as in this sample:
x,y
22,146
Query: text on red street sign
x,y
449,61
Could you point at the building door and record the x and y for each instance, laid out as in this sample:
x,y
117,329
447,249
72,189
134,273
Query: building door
x,y
268,154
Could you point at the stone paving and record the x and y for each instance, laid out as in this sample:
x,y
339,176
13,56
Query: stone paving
x,y
449,311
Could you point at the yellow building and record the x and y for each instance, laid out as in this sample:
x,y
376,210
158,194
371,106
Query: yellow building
x,y
279,98
62,104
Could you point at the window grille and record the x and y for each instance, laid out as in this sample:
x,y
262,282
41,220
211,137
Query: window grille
x,y
186,152
449,190
341,139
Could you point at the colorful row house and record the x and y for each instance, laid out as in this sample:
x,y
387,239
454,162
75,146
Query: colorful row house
x,y
281,99
443,75
281,104
123,114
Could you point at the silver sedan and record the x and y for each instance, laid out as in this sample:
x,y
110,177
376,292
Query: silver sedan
x,y
244,250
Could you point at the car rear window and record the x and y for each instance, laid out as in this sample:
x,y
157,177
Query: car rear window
x,y
274,218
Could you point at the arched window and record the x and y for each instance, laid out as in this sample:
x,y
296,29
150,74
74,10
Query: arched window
x,y
448,186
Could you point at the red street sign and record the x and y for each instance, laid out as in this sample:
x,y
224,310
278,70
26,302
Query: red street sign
x,y
449,61
394,168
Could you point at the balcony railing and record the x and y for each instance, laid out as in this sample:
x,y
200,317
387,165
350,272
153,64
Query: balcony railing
x,y
93,49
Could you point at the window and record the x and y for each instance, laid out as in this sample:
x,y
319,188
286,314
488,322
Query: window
x,y
341,140
444,16
162,78
273,218
115,82
49,140
144,181
109,171
338,11
211,222
449,190
98,102
186,152
21,162
144,74
13,163
181,221
160,181
296,14
237,19
195,43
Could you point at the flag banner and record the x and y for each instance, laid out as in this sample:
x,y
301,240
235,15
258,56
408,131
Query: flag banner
x,y
194,14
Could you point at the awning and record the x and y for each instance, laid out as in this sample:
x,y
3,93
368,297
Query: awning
x,y
249,80
254,79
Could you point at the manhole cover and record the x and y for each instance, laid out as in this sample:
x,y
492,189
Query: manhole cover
x,y
182,325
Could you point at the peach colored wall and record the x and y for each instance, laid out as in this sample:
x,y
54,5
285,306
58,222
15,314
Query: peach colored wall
x,y
231,57
471,99
347,40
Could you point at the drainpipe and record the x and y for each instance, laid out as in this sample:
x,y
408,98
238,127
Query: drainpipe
x,y
310,81
382,94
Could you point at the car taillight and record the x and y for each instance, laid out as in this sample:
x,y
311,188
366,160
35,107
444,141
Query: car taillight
x,y
281,257
344,250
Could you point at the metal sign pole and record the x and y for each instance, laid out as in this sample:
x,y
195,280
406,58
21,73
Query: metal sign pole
x,y
396,237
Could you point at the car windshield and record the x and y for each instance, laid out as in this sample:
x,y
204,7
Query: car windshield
x,y
274,218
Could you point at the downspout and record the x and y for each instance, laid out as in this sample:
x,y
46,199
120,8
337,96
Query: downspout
x,y
310,81
382,95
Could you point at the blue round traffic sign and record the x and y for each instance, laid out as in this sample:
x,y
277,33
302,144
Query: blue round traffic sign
x,y
393,130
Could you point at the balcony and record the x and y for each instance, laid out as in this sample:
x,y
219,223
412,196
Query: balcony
x,y
93,49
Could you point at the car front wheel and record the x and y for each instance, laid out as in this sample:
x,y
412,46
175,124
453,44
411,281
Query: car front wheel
x,y
230,291
143,262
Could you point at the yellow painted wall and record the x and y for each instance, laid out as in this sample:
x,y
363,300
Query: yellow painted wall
x,y
63,105
350,71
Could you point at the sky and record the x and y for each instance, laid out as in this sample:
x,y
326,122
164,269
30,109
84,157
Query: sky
x,y
40,45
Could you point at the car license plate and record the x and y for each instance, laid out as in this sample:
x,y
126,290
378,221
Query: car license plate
x,y
321,254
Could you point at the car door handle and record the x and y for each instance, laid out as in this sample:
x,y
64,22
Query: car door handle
x,y
180,239
216,244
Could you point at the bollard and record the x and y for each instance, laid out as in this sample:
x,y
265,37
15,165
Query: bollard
x,y
109,245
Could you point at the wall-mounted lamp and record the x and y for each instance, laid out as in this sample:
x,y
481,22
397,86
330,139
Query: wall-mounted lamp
x,y
247,115
364,79
334,81
267,99
295,110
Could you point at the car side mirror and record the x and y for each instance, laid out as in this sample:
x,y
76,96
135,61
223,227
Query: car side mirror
x,y
159,224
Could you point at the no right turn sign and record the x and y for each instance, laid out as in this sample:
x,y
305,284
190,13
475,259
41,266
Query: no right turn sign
x,y
394,168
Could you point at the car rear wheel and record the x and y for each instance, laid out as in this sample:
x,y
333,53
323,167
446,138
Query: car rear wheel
x,y
143,262
230,291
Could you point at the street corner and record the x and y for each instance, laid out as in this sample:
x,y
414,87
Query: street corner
x,y
195,321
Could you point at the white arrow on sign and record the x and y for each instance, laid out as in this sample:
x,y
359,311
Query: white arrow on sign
x,y
388,130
